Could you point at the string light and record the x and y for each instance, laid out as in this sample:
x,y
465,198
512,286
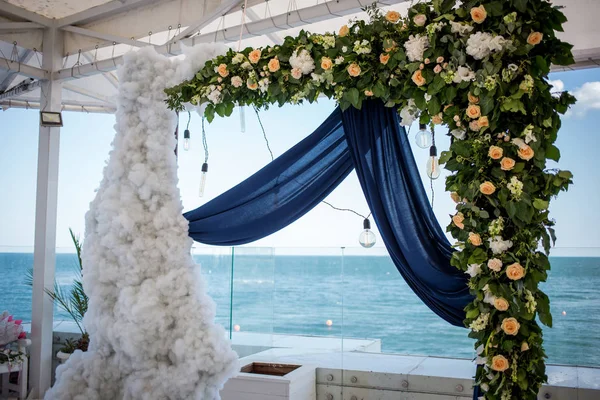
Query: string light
x,y
433,164
205,164
423,137
186,134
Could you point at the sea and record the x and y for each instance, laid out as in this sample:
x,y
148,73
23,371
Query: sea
x,y
359,297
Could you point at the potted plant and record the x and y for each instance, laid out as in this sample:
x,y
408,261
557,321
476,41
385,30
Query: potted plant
x,y
73,301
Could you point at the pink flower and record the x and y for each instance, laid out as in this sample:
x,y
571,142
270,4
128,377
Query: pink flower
x,y
296,73
437,69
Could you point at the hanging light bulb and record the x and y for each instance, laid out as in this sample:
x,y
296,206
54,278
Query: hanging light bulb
x,y
433,164
242,119
203,179
423,137
367,237
186,139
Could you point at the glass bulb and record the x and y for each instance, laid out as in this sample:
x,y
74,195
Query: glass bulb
x,y
367,239
186,144
433,167
203,179
423,137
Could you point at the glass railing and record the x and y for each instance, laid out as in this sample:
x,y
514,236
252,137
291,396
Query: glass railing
x,y
350,299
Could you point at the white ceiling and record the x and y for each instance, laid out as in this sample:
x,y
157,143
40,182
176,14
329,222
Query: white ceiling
x,y
97,32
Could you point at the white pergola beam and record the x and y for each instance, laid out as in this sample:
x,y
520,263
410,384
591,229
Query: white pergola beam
x,y
98,67
44,253
67,105
88,93
110,78
10,78
18,26
11,10
292,19
274,37
19,90
102,11
222,9
23,69
103,36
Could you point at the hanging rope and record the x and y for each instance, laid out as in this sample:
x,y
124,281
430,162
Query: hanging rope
x,y
264,133
243,24
204,142
430,179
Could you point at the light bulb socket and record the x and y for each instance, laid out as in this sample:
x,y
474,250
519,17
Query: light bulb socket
x,y
433,151
205,167
422,127
366,224
186,134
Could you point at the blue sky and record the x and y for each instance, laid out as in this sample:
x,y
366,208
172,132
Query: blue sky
x,y
86,139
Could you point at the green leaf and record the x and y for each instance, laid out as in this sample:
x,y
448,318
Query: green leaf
x,y
472,314
487,104
434,106
445,157
540,204
553,153
543,308
521,5
352,95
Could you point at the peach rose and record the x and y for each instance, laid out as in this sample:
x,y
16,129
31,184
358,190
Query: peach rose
x,y
458,220
507,164
515,272
494,264
510,326
222,70
252,85
487,188
499,363
483,122
254,56
354,69
454,196
526,153
437,69
344,31
437,119
475,239
479,14
420,19
473,99
440,59
524,346
296,73
384,58
473,125
326,63
495,152
274,65
368,93
392,16
535,38
418,78
501,304
473,111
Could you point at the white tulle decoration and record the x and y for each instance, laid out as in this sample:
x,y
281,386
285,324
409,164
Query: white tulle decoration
x,y
150,321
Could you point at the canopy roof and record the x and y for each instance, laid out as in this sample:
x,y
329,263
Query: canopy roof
x,y
92,35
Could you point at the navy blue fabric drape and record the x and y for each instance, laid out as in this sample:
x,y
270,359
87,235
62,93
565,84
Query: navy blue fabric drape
x,y
372,141
278,194
392,185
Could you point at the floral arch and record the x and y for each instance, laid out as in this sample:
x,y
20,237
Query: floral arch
x,y
479,68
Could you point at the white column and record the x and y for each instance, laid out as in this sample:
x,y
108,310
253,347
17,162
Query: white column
x,y
45,222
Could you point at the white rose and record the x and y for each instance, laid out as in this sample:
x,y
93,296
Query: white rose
x,y
459,133
473,270
464,74
420,19
494,264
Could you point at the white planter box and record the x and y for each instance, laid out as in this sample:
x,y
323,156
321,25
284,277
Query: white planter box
x,y
299,384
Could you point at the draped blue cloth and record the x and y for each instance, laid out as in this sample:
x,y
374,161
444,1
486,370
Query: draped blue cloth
x,y
372,141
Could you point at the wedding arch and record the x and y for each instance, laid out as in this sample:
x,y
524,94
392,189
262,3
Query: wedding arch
x,y
479,68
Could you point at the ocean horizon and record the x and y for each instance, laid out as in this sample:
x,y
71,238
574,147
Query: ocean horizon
x,y
364,297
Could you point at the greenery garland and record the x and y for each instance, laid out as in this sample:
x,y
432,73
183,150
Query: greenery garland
x,y
481,69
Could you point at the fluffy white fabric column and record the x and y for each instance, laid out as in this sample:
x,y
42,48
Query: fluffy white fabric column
x,y
150,321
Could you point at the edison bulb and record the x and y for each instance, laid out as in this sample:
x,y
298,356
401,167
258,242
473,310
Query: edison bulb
x,y
433,164
423,137
203,179
367,238
186,140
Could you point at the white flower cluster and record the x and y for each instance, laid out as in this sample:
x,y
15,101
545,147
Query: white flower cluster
x,y
303,62
527,84
263,85
435,27
488,297
480,323
496,226
150,321
509,73
529,135
409,114
516,187
473,270
463,74
363,47
415,47
213,93
482,44
499,246
238,58
461,28
339,60
531,303
459,134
